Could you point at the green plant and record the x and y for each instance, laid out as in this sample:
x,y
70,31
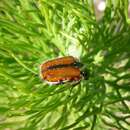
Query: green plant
x,y
34,31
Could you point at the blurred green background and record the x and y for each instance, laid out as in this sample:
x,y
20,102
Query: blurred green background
x,y
33,31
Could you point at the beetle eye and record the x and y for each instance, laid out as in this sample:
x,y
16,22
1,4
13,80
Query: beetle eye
x,y
85,74
78,64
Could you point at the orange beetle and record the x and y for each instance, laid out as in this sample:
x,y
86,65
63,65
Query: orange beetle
x,y
62,70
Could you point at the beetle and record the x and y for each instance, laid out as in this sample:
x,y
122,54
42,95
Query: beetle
x,y
62,70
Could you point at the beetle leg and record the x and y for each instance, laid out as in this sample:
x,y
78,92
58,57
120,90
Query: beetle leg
x,y
60,82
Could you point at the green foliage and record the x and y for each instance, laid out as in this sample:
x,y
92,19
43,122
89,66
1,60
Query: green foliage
x,y
33,31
